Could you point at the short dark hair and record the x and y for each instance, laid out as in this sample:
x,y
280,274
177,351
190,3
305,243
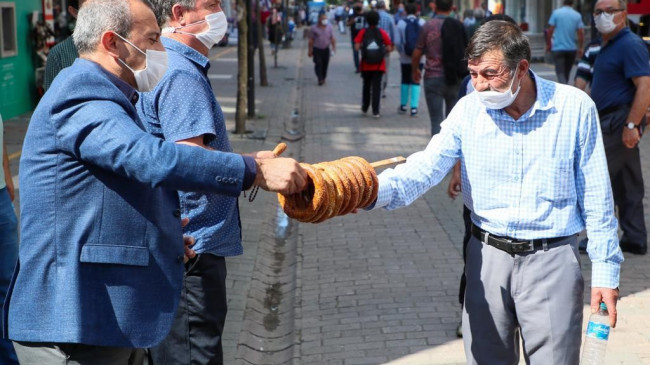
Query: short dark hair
x,y
372,17
444,5
568,2
410,8
74,4
499,35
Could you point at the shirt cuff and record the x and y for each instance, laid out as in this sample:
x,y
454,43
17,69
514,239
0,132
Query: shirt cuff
x,y
605,274
250,171
383,196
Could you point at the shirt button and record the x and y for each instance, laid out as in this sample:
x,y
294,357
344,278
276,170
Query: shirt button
x,y
177,213
516,178
135,98
180,259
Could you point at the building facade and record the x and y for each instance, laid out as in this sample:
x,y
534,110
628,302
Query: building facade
x,y
18,60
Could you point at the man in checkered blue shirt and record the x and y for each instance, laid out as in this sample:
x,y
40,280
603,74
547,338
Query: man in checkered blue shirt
x,y
534,174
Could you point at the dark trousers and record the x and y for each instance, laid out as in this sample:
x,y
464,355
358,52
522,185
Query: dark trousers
x,y
467,219
371,87
355,57
407,74
563,62
321,61
195,337
626,177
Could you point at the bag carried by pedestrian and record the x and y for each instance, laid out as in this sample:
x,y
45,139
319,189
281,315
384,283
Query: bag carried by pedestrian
x,y
373,48
411,33
454,42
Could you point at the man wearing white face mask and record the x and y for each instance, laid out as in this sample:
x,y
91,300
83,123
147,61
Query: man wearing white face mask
x,y
617,66
100,266
183,109
534,174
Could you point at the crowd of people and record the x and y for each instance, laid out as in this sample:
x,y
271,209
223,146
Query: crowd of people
x,y
127,152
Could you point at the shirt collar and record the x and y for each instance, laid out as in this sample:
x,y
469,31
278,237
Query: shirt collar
x,y
186,51
544,99
122,85
618,35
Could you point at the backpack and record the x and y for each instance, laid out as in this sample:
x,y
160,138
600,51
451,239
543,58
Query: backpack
x,y
373,48
454,42
411,33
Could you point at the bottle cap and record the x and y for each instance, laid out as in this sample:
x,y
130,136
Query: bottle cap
x,y
603,306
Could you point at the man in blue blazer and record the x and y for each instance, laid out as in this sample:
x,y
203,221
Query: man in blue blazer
x,y
101,259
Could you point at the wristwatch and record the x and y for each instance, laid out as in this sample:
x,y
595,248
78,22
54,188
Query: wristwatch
x,y
631,125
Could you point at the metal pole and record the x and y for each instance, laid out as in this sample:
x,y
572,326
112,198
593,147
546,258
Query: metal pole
x,y
250,59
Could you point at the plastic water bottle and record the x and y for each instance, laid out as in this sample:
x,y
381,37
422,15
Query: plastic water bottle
x,y
593,351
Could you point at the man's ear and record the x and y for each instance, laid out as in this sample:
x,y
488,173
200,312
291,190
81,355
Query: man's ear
x,y
110,44
178,14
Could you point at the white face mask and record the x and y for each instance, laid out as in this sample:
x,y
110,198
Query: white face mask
x,y
217,27
605,23
324,22
154,70
499,100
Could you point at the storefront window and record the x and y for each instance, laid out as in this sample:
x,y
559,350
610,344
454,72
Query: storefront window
x,y
8,41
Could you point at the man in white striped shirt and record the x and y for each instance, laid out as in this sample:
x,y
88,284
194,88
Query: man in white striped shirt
x,y
534,174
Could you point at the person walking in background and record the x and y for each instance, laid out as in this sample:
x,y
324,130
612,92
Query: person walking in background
x,y
443,41
374,44
64,53
400,13
387,24
619,73
565,38
274,29
406,37
356,22
321,44
8,243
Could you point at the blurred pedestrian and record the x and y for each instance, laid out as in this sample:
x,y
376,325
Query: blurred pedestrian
x,y
386,23
374,44
64,53
619,72
356,22
565,38
274,29
321,45
443,41
406,37
8,243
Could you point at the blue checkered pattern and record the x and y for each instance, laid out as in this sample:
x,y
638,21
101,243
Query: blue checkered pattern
x,y
544,175
387,23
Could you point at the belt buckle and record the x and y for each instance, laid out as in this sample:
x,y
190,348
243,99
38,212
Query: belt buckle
x,y
523,246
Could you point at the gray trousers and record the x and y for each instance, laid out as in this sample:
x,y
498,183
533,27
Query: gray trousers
x,y
439,97
39,353
536,295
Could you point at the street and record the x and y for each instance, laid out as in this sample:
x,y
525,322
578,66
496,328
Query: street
x,y
369,288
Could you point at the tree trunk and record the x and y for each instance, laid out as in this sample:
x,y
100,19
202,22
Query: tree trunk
x,y
260,46
242,70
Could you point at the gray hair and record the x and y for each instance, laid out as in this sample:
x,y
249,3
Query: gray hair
x,y
499,35
97,17
479,13
163,9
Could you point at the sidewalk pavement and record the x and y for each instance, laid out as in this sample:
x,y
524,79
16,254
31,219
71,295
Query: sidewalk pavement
x,y
371,288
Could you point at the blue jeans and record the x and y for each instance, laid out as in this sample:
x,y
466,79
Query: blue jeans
x,y
8,258
435,92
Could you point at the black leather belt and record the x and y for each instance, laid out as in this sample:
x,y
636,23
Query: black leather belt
x,y
512,245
